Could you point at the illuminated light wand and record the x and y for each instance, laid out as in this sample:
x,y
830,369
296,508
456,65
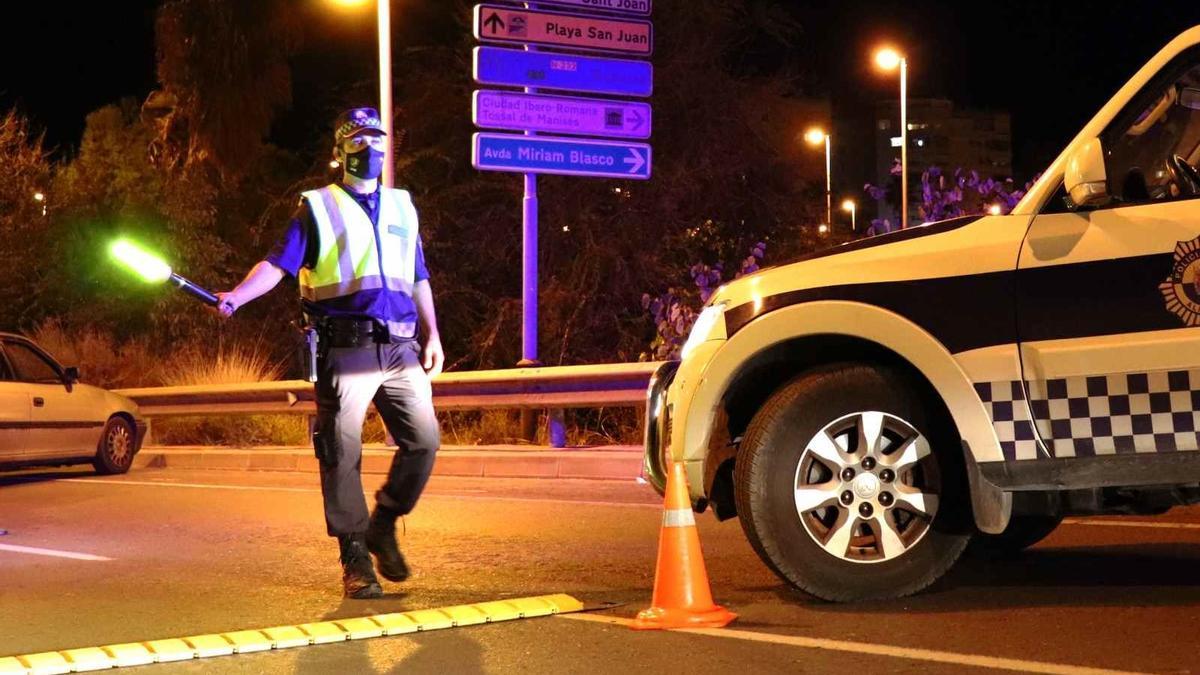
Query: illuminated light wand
x,y
155,270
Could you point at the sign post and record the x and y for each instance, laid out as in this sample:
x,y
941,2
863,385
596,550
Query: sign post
x,y
534,113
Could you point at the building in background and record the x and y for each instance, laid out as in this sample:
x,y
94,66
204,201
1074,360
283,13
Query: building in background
x,y
939,134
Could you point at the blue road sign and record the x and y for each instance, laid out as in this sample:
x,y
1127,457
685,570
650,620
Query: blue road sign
x,y
560,156
564,72
561,114
623,6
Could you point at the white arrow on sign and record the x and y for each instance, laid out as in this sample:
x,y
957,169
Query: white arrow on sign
x,y
638,120
637,160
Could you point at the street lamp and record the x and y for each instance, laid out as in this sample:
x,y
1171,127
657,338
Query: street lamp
x,y
889,59
850,206
385,78
816,136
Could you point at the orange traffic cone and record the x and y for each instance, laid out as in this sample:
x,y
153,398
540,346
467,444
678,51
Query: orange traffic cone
x,y
682,598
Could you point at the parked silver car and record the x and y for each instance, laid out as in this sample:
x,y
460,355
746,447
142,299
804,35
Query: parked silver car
x,y
48,418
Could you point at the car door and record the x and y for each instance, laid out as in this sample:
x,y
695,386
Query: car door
x,y
1109,297
63,423
14,414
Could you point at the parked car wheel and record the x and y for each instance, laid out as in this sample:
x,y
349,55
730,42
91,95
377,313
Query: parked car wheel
x,y
117,446
849,484
1022,532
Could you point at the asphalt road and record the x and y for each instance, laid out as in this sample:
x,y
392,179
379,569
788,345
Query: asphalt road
x,y
194,552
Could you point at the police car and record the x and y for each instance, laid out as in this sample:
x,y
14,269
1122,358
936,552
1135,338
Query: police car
x,y
48,418
869,411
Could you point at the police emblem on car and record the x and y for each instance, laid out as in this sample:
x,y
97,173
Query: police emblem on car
x,y
1181,290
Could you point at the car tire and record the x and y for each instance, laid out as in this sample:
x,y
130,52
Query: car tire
x,y
776,471
1022,532
118,443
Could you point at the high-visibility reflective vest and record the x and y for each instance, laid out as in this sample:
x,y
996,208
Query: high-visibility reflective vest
x,y
348,259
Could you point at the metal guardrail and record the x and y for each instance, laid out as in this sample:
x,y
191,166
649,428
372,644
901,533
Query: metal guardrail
x,y
595,386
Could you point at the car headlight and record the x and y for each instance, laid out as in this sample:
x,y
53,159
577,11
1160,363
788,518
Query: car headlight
x,y
710,319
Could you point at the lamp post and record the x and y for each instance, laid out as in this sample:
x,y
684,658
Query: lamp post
x,y
817,136
850,206
384,19
889,59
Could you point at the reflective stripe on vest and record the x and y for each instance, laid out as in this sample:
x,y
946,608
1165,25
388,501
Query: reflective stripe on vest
x,y
347,259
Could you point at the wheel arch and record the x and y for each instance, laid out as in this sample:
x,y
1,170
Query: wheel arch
x,y
774,348
133,425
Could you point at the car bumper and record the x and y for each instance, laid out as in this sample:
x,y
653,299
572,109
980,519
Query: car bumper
x,y
141,428
658,426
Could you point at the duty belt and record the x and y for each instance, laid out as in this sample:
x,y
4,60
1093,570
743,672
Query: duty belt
x,y
346,332
337,332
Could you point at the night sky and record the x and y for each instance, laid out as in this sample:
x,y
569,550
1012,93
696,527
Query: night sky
x,y
1050,63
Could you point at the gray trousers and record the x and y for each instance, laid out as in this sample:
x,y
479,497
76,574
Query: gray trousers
x,y
348,380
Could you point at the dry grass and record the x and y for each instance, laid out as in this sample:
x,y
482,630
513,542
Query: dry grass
x,y
231,364
101,360
605,426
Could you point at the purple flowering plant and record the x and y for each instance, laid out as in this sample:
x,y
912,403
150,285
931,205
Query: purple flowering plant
x,y
950,195
676,310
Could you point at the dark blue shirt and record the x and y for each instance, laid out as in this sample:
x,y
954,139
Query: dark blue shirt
x,y
298,247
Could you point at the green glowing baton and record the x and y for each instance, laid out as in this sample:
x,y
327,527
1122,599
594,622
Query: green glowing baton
x,y
154,270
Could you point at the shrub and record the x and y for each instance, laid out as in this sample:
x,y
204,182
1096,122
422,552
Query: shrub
x,y
102,361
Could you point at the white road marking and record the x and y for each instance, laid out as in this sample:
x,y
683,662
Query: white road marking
x,y
52,553
910,653
1133,523
580,502
433,495
163,483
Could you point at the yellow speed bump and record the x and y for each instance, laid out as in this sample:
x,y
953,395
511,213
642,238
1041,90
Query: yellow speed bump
x,y
285,637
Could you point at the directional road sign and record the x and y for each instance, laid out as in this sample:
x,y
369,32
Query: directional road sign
x,y
568,72
561,114
590,32
625,6
561,156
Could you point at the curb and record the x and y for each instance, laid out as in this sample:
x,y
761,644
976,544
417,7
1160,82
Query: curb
x,y
601,463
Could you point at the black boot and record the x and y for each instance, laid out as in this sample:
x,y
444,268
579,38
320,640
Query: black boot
x,y
381,541
358,576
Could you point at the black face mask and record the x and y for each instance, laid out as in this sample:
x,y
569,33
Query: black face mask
x,y
365,164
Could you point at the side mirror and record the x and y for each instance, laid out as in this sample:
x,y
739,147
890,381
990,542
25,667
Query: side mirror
x,y
71,375
1189,97
1085,177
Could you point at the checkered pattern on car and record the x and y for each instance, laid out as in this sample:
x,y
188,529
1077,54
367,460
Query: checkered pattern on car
x,y
1005,402
1101,415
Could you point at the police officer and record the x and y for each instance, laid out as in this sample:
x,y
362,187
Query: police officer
x,y
354,248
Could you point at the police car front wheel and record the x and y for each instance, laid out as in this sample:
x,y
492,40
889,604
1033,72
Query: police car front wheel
x,y
849,487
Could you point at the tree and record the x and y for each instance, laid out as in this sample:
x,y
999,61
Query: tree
x,y
224,74
23,227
